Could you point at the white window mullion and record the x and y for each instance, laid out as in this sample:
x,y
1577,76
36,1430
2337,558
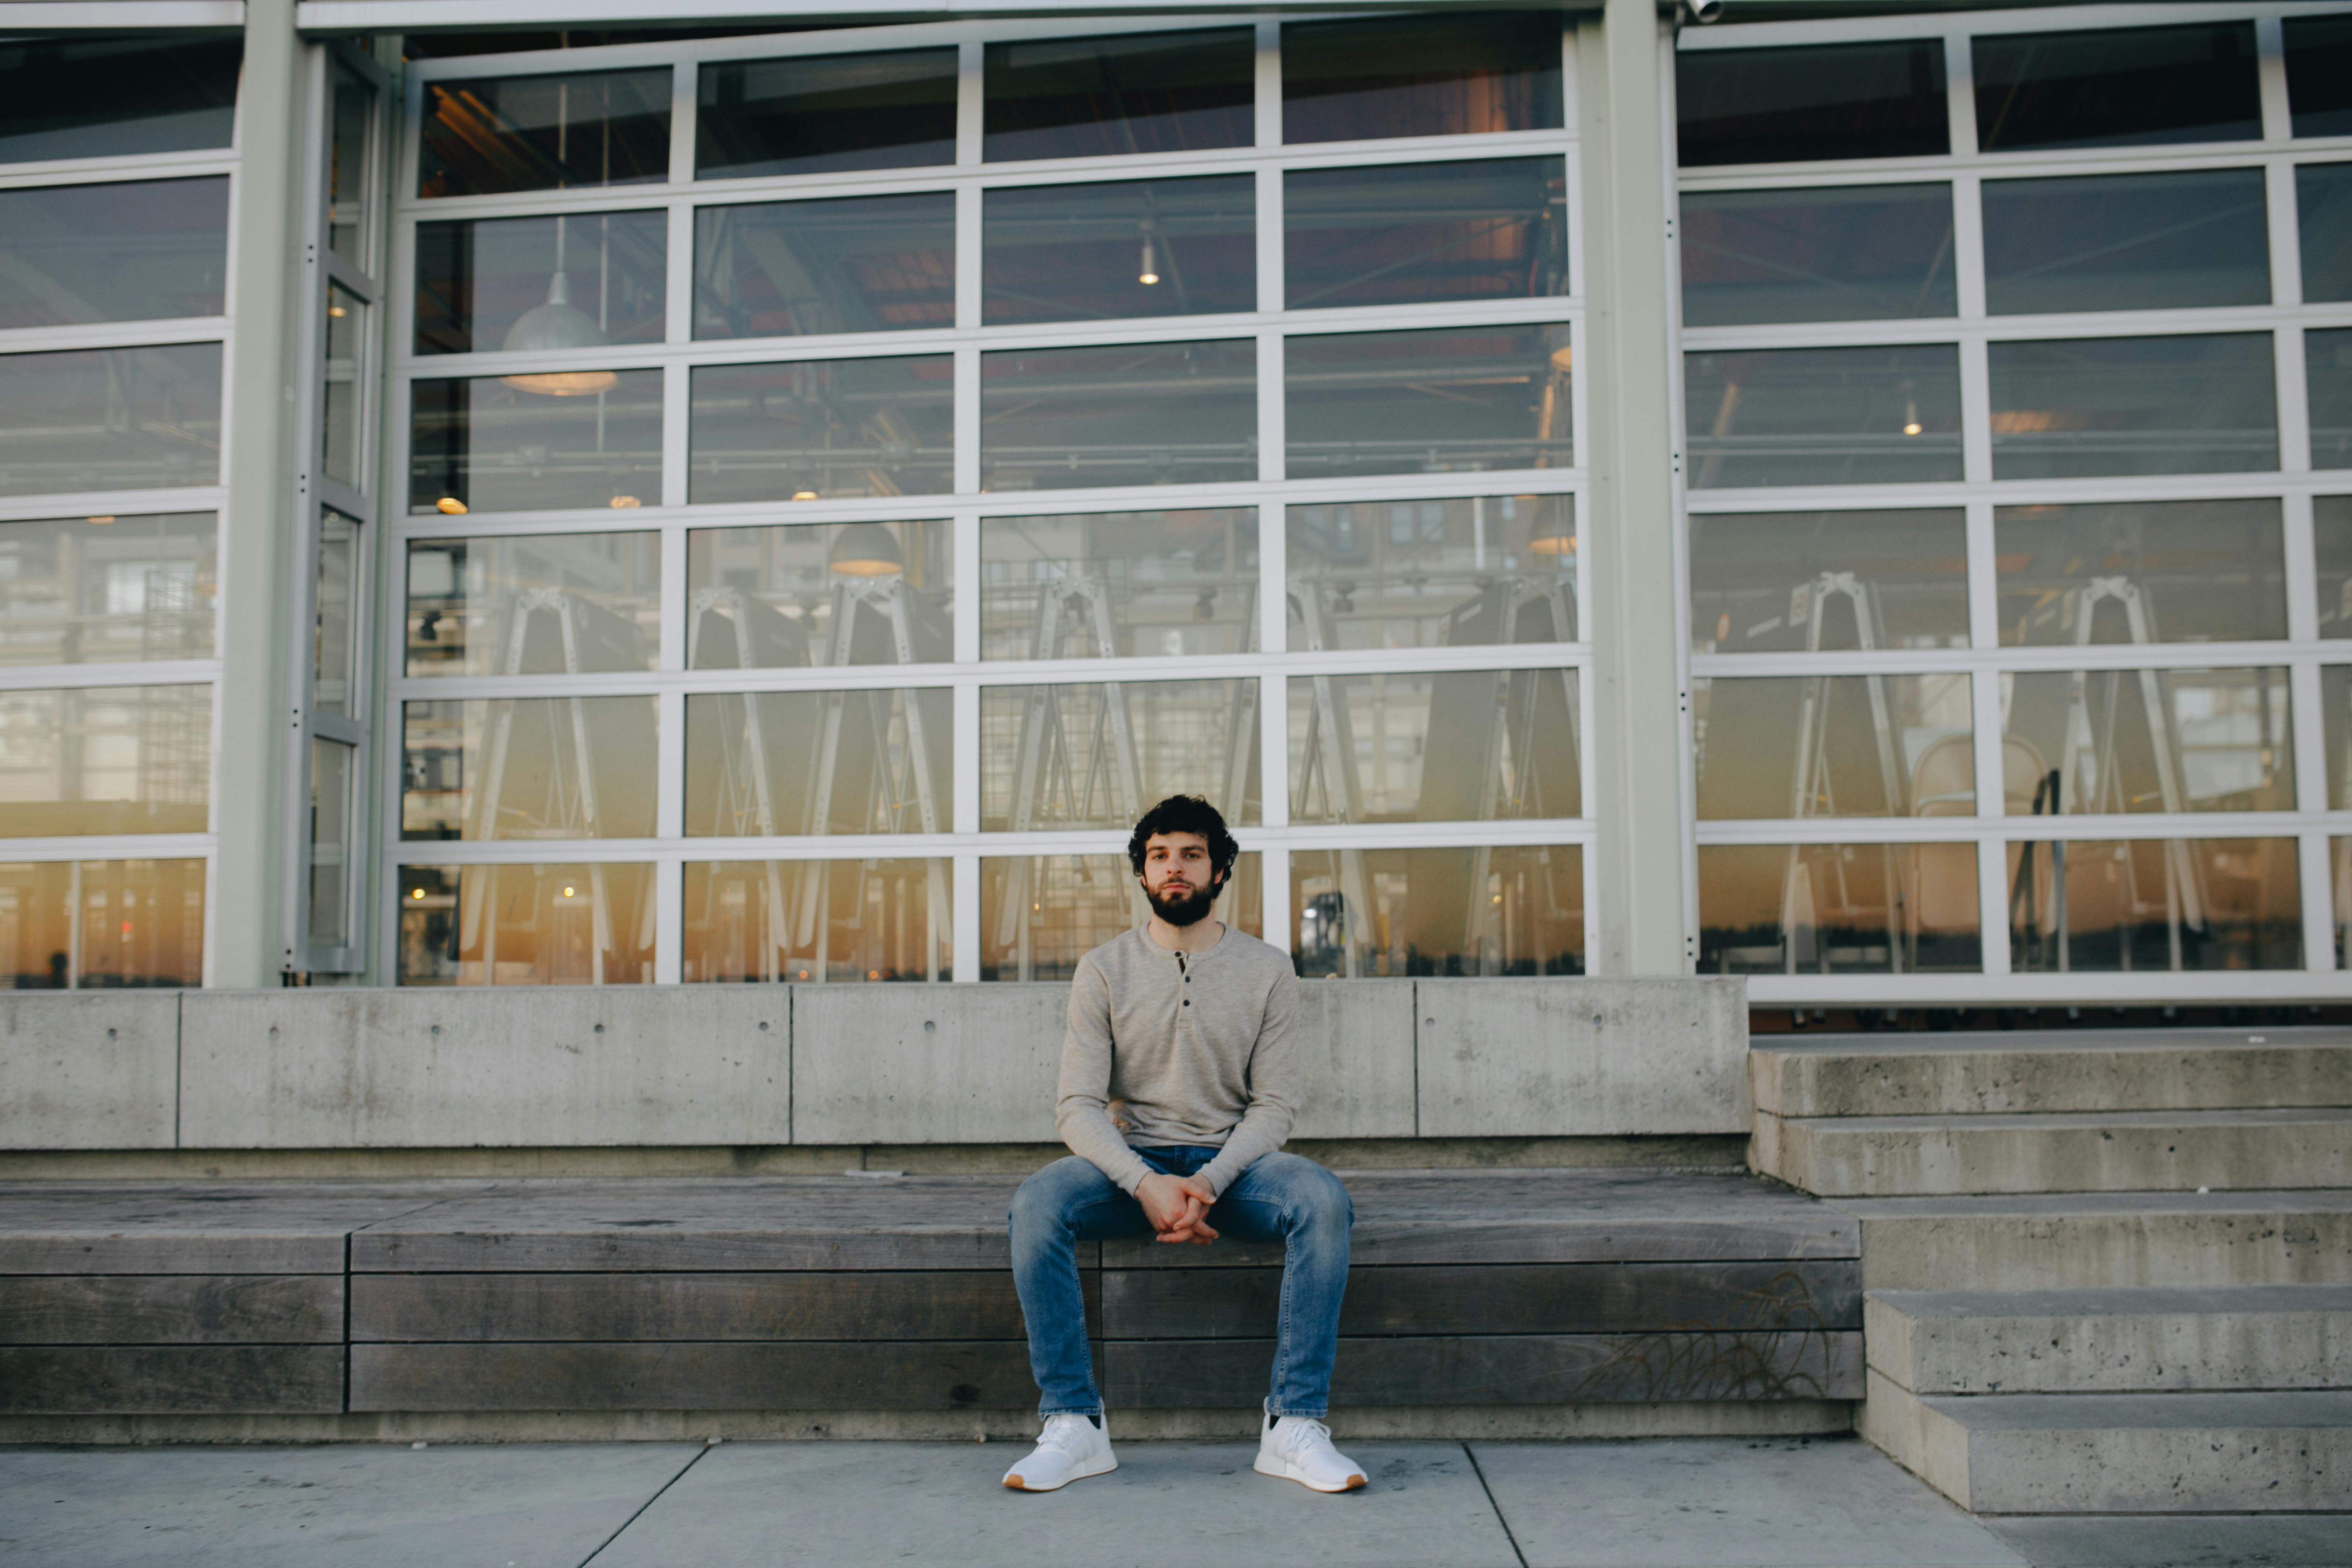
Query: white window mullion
x,y
1959,92
2269,54
678,386
1268,84
681,123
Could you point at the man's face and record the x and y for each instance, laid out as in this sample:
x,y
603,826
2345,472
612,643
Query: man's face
x,y
1177,877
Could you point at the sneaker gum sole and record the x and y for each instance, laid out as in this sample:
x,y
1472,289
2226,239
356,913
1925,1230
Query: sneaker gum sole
x,y
1014,1483
1285,1473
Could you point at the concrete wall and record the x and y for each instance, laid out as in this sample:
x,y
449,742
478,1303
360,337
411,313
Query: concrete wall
x,y
821,1064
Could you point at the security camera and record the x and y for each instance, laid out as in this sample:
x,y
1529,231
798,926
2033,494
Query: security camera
x,y
1703,11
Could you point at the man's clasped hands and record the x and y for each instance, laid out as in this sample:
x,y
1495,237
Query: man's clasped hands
x,y
1177,1208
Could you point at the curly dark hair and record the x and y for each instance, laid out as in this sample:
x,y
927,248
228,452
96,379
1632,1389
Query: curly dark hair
x,y
1186,814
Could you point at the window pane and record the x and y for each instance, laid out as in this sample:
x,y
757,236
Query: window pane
x,y
536,443
333,773
1098,754
550,767
2141,88
2190,571
95,96
1838,908
131,251
107,419
1823,417
1039,915
1833,745
2335,733
2154,904
526,925
828,594
335,620
101,925
2331,532
1459,745
124,758
818,921
1433,573
1101,98
822,428
540,603
1778,582
2066,409
2151,740
760,765
481,137
1119,585
1836,254
828,112
1453,75
2323,202
1413,233
343,387
1784,106
1064,253
1148,413
2126,242
1510,910
869,264
351,105
101,589
2319,75
2328,372
1429,402
574,281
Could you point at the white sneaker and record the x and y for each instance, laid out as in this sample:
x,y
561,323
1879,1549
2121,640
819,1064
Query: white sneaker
x,y
1070,1448
1298,1449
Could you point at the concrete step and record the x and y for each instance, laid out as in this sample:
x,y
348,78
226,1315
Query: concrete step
x,y
2064,1241
2121,1453
1988,1074
2074,1152
2112,1341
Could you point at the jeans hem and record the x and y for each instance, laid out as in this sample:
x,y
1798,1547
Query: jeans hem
x,y
1074,1410
1322,1415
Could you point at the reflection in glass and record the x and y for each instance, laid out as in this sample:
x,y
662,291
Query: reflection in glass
x,y
2158,904
1476,570
121,759
132,250
331,850
92,95
1823,417
1509,910
2323,204
764,763
2328,372
2109,741
2126,242
343,387
769,920
489,284
1838,908
535,443
529,767
1413,233
1142,413
351,106
102,590
1119,585
2073,408
1784,106
110,419
2331,534
526,925
1039,915
2189,571
2110,87
1458,74
864,263
485,136
1779,582
1444,401
812,429
2335,733
1457,745
1134,248
537,603
1098,753
1832,746
826,594
1108,97
1839,253
89,925
2319,75
824,112
334,641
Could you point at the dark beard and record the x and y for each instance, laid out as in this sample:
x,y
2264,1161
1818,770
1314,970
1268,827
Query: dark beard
x,y
1191,910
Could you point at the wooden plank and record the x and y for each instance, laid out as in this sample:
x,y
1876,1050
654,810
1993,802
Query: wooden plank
x,y
1496,1299
195,1227
678,1250
170,1380
171,1309
1515,1369
939,1374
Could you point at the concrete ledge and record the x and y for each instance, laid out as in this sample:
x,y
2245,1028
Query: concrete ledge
x,y
931,1064
94,1069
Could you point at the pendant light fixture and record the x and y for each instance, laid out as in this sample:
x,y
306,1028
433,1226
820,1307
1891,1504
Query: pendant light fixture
x,y
866,550
558,324
1148,270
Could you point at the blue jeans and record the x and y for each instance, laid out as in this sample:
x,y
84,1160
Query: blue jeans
x,y
1281,1197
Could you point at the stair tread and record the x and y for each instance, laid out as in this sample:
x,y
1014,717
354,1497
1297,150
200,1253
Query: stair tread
x,y
2048,1205
2068,1120
2184,1411
2117,1301
2037,1043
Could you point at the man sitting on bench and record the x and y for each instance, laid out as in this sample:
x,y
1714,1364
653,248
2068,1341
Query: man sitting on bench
x,y
1185,1025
